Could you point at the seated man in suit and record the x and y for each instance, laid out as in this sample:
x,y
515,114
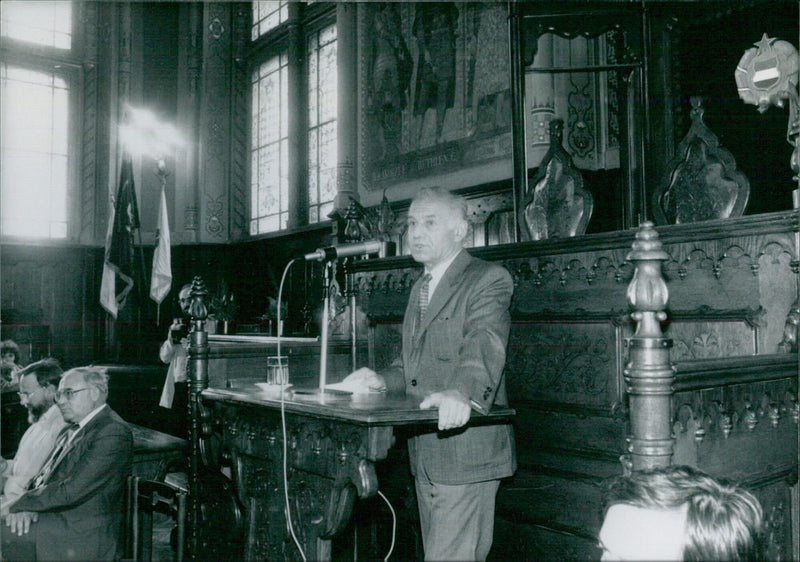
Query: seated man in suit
x,y
679,513
455,332
37,392
74,509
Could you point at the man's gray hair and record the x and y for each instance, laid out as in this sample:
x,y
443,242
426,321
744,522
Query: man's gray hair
x,y
435,193
92,376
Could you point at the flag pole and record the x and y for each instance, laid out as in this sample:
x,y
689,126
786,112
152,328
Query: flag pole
x,y
140,292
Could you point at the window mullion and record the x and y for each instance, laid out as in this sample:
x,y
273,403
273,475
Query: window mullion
x,y
298,128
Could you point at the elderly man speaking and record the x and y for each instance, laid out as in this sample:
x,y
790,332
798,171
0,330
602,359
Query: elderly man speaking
x,y
74,507
455,332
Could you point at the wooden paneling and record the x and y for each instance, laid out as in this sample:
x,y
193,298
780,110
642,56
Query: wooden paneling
x,y
51,287
734,408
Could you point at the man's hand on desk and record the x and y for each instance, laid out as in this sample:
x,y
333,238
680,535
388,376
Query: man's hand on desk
x,y
366,379
454,409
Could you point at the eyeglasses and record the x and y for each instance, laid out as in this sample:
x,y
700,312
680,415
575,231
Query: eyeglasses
x,y
27,395
69,393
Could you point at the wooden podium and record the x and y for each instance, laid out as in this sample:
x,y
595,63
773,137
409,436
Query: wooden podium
x,y
331,447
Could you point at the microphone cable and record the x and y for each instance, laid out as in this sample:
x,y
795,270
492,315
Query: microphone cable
x,y
287,505
394,525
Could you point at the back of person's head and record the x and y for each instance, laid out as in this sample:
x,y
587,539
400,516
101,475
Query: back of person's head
x,y
48,372
723,520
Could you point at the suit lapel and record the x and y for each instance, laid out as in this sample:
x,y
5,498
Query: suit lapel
x,y
76,444
444,291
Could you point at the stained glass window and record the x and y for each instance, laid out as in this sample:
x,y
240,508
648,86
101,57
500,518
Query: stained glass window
x,y
279,198
322,104
270,145
268,14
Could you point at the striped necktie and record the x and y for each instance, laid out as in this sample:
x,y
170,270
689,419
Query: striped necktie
x,y
423,296
55,457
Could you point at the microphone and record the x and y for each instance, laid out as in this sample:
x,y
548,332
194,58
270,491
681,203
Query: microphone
x,y
345,250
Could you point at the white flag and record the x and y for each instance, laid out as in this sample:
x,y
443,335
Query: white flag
x,y
161,277
108,287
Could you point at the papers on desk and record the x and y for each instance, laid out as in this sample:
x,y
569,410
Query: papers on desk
x,y
273,390
353,387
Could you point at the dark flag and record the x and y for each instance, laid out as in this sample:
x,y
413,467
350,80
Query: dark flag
x,y
120,256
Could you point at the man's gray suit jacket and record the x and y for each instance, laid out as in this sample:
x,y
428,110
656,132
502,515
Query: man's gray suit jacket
x,y
460,344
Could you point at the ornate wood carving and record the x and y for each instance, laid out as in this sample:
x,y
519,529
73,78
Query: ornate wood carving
x,y
329,464
328,469
649,374
574,362
557,205
240,89
197,374
703,182
216,120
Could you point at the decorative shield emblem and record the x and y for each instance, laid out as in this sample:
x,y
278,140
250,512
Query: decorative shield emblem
x,y
767,72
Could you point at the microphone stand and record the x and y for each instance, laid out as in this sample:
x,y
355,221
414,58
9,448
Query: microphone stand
x,y
323,347
322,393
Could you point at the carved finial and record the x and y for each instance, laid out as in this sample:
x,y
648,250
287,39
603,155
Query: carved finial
x,y
352,229
697,108
198,309
647,291
556,132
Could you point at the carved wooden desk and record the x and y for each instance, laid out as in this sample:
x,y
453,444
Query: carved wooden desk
x,y
331,448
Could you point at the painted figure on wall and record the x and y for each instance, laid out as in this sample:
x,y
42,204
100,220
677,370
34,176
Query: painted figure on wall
x,y
435,100
391,75
488,95
434,29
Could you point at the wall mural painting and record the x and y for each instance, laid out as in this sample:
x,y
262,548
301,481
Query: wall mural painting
x,y
435,95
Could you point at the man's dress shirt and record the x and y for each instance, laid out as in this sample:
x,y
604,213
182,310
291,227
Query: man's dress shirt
x,y
34,448
177,355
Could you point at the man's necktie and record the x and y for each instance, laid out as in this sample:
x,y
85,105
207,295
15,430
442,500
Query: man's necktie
x,y
423,296
55,456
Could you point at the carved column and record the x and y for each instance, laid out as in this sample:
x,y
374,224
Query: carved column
x,y
649,374
297,120
190,66
518,135
197,374
347,97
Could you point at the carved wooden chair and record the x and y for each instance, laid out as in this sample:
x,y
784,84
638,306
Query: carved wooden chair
x,y
145,499
702,181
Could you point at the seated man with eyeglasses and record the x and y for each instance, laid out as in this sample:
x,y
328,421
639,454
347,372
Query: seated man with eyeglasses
x,y
74,507
37,392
